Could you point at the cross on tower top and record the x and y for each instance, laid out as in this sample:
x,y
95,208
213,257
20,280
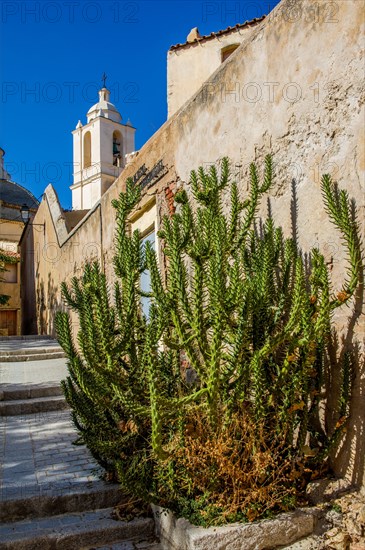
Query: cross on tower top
x,y
103,78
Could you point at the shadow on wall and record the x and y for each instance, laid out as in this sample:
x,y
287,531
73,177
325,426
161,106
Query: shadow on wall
x,y
348,453
28,293
48,303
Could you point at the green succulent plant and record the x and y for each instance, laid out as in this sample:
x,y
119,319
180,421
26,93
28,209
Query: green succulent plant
x,y
236,300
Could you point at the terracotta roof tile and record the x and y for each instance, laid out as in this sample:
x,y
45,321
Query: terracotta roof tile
x,y
10,253
219,33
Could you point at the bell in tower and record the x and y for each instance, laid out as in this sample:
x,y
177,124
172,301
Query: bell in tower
x,y
116,151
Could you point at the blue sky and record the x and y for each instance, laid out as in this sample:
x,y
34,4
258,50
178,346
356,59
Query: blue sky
x,y
53,54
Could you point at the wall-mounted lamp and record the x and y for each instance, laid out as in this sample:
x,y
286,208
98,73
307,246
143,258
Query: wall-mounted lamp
x,y
25,214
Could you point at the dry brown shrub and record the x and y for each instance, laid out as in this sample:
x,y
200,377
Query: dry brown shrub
x,y
236,470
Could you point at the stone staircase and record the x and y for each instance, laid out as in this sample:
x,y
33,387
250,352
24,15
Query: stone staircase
x,y
29,350
51,493
31,399
32,355
86,530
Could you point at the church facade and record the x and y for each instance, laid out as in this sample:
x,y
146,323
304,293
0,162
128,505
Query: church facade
x,y
292,88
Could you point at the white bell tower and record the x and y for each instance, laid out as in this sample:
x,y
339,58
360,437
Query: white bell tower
x,y
99,149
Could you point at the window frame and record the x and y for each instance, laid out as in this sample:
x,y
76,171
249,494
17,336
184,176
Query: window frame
x,y
145,220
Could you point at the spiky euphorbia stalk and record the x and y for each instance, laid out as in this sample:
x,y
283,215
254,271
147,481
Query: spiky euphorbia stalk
x,y
112,386
240,306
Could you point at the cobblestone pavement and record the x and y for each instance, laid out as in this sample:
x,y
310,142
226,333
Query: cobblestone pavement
x,y
38,458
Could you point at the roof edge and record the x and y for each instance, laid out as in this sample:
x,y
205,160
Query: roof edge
x,y
228,30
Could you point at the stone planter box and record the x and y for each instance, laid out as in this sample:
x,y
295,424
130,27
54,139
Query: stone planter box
x,y
285,529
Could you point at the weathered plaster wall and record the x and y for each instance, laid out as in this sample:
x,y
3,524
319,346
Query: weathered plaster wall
x,y
192,64
10,230
322,131
298,92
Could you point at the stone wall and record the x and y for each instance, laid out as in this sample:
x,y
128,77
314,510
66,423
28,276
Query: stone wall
x,y
293,88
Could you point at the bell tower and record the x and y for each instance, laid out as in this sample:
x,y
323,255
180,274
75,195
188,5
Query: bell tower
x,y
99,149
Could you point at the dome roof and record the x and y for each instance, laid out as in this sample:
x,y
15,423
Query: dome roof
x,y
15,195
104,108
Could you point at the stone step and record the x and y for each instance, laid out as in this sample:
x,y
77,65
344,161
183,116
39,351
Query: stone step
x,y
18,391
27,338
31,351
129,545
17,407
74,531
56,499
36,355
